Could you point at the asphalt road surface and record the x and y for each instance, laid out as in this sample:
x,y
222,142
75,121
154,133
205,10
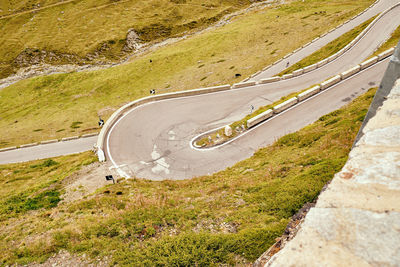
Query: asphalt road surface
x,y
153,141
308,50
48,150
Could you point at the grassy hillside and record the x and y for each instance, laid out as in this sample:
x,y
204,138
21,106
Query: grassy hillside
x,y
78,31
329,49
69,104
230,217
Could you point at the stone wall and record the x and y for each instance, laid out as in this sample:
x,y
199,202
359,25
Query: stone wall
x,y
356,220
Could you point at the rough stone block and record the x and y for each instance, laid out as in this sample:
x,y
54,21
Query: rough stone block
x,y
346,74
369,62
310,92
332,58
228,130
287,76
49,142
345,192
322,62
386,53
28,145
70,138
241,85
270,80
259,118
310,68
285,105
330,82
297,72
332,237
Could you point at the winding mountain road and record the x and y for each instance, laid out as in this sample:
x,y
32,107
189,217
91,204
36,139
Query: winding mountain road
x,y
321,42
153,141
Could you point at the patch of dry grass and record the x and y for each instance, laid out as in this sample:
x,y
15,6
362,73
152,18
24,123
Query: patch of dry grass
x,y
80,28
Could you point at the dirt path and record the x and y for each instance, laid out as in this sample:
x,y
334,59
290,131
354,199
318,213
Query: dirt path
x,y
65,259
37,9
86,181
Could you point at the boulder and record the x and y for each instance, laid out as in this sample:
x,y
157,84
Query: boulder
x,y
228,130
132,41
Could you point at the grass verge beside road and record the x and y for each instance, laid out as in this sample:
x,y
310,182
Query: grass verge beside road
x,y
219,137
65,105
329,49
230,217
37,184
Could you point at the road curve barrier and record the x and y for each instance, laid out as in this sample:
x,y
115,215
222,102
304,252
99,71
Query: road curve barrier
x,y
310,92
298,72
243,84
310,68
28,145
330,82
332,58
49,141
45,142
120,112
285,105
368,63
270,80
317,88
259,118
70,138
287,76
255,74
386,53
346,74
344,49
322,63
279,108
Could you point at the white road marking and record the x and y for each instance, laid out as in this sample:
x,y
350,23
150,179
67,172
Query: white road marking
x,y
172,135
161,164
275,116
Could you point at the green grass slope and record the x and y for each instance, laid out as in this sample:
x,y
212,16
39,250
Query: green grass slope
x,y
329,49
230,217
76,31
69,104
